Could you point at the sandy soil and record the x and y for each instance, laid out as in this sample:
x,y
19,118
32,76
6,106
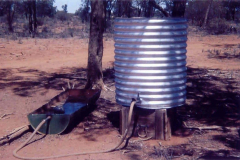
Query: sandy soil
x,y
34,70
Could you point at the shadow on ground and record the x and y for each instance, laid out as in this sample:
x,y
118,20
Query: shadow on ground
x,y
213,98
26,82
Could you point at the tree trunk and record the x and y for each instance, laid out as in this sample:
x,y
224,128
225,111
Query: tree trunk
x,y
34,18
105,13
95,47
127,8
233,12
119,4
10,15
179,8
207,13
30,17
139,11
149,9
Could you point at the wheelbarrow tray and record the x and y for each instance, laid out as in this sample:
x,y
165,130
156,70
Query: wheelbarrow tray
x,y
74,103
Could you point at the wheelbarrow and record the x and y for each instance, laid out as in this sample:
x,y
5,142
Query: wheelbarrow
x,y
63,109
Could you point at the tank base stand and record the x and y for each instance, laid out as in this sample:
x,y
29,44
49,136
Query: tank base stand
x,y
149,123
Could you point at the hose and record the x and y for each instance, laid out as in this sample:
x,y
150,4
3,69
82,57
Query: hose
x,y
73,154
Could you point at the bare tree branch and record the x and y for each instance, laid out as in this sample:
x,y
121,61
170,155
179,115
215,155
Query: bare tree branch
x,y
155,5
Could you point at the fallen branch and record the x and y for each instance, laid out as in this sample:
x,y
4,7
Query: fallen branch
x,y
15,54
14,134
5,115
127,151
69,86
155,5
108,89
141,139
222,128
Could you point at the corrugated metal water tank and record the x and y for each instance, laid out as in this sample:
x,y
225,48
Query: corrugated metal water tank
x,y
150,60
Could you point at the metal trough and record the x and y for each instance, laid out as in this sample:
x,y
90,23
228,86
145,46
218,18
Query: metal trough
x,y
63,108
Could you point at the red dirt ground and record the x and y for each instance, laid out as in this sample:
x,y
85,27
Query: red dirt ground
x,y
34,70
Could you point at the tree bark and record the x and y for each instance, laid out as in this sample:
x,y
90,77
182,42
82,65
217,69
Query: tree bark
x,y
10,15
95,47
34,18
127,8
207,13
149,9
105,12
30,17
139,11
119,4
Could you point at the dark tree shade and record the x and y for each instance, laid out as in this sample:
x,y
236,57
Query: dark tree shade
x,y
179,7
45,8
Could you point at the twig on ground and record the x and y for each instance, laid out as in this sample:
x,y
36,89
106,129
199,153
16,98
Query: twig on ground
x,y
73,85
154,147
4,116
211,127
69,86
79,78
18,129
108,89
14,134
141,139
126,151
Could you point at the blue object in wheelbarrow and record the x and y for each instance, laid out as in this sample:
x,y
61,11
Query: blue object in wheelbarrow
x,y
63,109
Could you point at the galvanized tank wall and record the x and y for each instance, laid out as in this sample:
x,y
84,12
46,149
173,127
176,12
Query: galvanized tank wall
x,y
150,60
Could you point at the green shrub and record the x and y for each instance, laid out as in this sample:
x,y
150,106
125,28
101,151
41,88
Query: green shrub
x,y
71,31
62,16
25,27
40,21
45,29
218,26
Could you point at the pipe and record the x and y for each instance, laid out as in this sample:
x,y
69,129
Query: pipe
x,y
74,154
